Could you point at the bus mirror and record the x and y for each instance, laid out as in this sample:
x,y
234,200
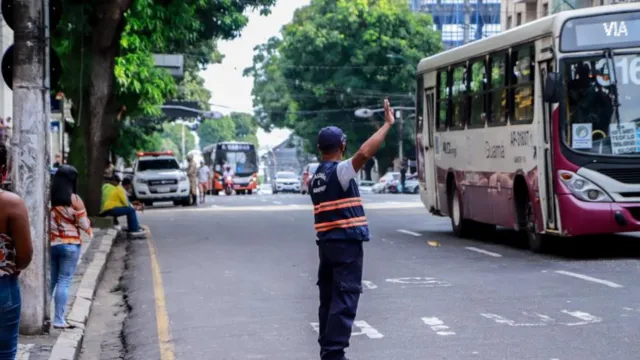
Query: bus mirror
x,y
552,84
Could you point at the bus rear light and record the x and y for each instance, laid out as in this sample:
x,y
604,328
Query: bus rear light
x,y
582,188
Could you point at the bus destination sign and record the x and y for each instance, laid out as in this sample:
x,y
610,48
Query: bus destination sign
x,y
598,32
236,147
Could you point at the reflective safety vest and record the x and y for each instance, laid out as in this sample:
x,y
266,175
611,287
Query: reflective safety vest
x,y
339,214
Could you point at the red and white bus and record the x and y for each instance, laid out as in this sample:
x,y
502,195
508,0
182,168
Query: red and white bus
x,y
536,128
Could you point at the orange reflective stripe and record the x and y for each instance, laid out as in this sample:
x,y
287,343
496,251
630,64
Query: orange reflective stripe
x,y
357,202
336,202
359,221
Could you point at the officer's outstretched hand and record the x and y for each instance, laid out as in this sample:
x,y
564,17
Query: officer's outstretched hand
x,y
388,113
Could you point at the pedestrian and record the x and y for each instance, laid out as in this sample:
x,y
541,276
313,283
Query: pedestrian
x,y
403,174
16,252
341,227
58,161
68,217
192,174
204,176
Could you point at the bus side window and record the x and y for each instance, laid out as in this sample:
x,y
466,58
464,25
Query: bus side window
x,y
522,73
498,89
458,96
444,111
478,93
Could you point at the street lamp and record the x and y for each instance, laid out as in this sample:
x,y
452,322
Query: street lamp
x,y
367,113
188,111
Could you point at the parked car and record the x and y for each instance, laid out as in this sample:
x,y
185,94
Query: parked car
x,y
382,185
307,173
366,186
411,183
286,181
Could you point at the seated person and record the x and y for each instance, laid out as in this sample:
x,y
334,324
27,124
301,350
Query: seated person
x,y
116,204
128,186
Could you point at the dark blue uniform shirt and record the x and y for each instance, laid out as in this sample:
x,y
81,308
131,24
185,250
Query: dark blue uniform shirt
x,y
339,214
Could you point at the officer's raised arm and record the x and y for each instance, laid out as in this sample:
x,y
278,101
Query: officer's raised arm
x,y
371,146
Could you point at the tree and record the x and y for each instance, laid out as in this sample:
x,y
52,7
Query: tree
x,y
214,131
235,126
106,49
337,56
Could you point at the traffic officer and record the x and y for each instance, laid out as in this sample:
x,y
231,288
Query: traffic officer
x,y
341,228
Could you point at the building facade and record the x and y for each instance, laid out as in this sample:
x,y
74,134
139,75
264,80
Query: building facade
x,y
461,21
518,12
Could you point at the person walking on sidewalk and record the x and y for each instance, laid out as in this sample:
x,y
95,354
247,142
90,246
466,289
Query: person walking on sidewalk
x,y
115,202
341,227
68,217
16,252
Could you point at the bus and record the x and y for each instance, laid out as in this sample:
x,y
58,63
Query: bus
x,y
536,128
243,159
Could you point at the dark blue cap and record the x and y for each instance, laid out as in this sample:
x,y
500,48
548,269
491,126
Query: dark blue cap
x,y
331,138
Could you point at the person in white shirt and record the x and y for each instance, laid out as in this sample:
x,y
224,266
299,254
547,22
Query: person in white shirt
x,y
204,177
227,171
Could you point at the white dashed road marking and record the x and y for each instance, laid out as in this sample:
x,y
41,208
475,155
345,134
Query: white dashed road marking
x,y
438,326
481,251
277,202
589,278
409,232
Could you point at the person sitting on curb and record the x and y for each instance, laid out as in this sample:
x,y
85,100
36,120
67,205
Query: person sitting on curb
x,y
115,203
128,186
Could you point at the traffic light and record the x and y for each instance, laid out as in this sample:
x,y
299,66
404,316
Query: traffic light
x,y
55,68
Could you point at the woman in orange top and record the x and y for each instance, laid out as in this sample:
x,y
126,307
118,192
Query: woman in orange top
x,y
68,217
15,255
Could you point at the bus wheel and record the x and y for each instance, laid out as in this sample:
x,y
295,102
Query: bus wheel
x,y
461,226
216,192
537,242
249,192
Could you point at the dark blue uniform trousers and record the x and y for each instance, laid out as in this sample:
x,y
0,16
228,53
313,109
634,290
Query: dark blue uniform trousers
x,y
340,284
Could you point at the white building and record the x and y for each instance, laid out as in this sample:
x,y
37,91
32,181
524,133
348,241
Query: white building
x,y
518,12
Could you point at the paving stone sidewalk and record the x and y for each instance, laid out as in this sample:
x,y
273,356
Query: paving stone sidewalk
x,y
91,263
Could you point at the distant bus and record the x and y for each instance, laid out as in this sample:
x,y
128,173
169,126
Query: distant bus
x,y
536,128
243,159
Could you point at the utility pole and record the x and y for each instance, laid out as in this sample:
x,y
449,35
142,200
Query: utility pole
x,y
29,173
400,134
184,145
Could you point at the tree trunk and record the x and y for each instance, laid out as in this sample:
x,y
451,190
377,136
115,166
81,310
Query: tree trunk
x,y
102,107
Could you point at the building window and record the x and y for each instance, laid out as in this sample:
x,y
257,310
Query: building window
x,y
545,9
509,22
519,19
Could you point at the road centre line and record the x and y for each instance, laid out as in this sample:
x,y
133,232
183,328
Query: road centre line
x,y
409,232
277,202
589,278
482,251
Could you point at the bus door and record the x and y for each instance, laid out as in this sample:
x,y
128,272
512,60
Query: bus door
x,y
431,184
545,160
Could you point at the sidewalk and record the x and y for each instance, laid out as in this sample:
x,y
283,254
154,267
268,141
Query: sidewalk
x,y
91,264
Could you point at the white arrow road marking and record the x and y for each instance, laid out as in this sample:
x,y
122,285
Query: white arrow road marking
x,y
365,329
585,317
502,320
369,284
438,326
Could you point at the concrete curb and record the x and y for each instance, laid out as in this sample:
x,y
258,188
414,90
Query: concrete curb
x,y
69,342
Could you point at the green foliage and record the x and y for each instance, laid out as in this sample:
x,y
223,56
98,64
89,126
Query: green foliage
x,y
235,126
337,56
172,132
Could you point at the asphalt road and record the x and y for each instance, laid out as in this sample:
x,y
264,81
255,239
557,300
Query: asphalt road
x,y
235,279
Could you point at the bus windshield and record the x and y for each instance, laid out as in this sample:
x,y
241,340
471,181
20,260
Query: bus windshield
x,y
603,104
241,161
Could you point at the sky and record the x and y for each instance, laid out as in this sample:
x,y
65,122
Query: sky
x,y
225,81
